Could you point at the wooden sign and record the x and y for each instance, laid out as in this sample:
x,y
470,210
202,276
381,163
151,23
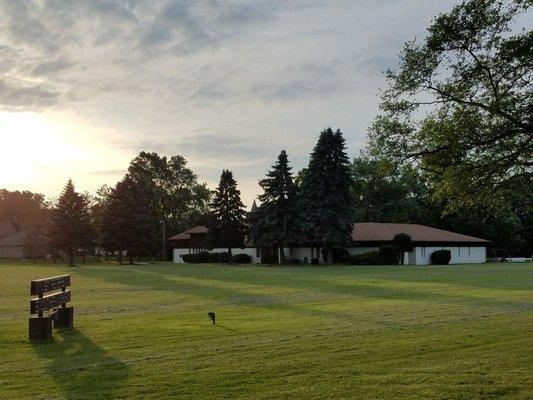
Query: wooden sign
x,y
41,286
48,302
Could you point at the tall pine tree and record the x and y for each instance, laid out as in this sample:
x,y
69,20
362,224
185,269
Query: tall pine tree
x,y
71,226
325,202
272,225
129,223
227,221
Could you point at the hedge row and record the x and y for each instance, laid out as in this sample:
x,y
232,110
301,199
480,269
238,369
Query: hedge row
x,y
204,257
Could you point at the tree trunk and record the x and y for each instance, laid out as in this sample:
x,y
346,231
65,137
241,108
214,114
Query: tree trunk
x,y
71,257
83,256
230,261
282,255
329,255
119,257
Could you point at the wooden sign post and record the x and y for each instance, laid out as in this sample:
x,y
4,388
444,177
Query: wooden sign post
x,y
40,325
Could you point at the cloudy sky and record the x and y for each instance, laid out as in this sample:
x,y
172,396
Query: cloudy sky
x,y
86,85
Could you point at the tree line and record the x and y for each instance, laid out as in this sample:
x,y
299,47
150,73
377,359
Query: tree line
x,y
451,148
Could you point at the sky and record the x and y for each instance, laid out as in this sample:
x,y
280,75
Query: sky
x,y
86,85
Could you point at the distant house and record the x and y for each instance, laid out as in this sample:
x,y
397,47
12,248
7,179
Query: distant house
x,y
368,236
15,244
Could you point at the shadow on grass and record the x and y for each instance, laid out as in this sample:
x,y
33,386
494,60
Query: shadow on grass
x,y
80,367
307,287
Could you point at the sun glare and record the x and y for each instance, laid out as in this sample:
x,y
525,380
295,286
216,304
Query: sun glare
x,y
35,149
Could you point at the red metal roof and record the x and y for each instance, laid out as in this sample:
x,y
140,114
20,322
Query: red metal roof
x,y
381,232
185,235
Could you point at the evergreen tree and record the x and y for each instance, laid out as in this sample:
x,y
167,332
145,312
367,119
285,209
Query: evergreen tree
x,y
273,225
71,226
227,221
129,222
325,202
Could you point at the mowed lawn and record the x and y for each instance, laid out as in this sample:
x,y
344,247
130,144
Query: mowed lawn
x,y
454,332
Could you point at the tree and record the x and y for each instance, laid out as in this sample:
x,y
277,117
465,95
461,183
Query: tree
x,y
461,103
19,208
404,243
71,227
325,203
97,207
129,222
276,217
227,227
174,193
385,193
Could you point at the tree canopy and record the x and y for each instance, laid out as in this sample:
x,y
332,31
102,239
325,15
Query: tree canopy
x,y
461,103
325,202
273,223
71,226
128,221
227,219
172,189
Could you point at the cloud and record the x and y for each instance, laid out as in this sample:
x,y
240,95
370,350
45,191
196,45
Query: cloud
x,y
226,83
23,96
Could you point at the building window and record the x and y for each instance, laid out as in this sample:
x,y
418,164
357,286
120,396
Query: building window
x,y
423,249
468,251
459,250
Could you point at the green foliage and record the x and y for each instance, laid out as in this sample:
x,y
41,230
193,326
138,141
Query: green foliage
x,y
71,226
270,259
227,227
389,254
460,103
272,224
404,242
129,221
338,254
174,193
325,202
315,261
441,257
241,259
368,258
384,193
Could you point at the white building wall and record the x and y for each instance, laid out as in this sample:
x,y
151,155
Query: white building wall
x,y
460,254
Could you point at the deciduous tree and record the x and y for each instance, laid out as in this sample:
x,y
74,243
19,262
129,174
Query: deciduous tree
x,y
461,103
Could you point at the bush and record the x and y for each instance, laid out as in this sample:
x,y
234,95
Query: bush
x,y
270,259
189,258
368,258
223,257
213,258
315,261
294,261
202,257
339,254
389,254
241,259
441,257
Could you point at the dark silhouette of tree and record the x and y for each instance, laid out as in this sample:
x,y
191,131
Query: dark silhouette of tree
x,y
275,220
71,227
227,220
461,103
173,191
129,222
325,203
404,243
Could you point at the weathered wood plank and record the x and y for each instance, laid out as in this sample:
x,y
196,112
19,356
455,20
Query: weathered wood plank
x,y
48,302
41,286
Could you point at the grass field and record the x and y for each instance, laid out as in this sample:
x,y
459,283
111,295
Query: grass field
x,y
454,332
